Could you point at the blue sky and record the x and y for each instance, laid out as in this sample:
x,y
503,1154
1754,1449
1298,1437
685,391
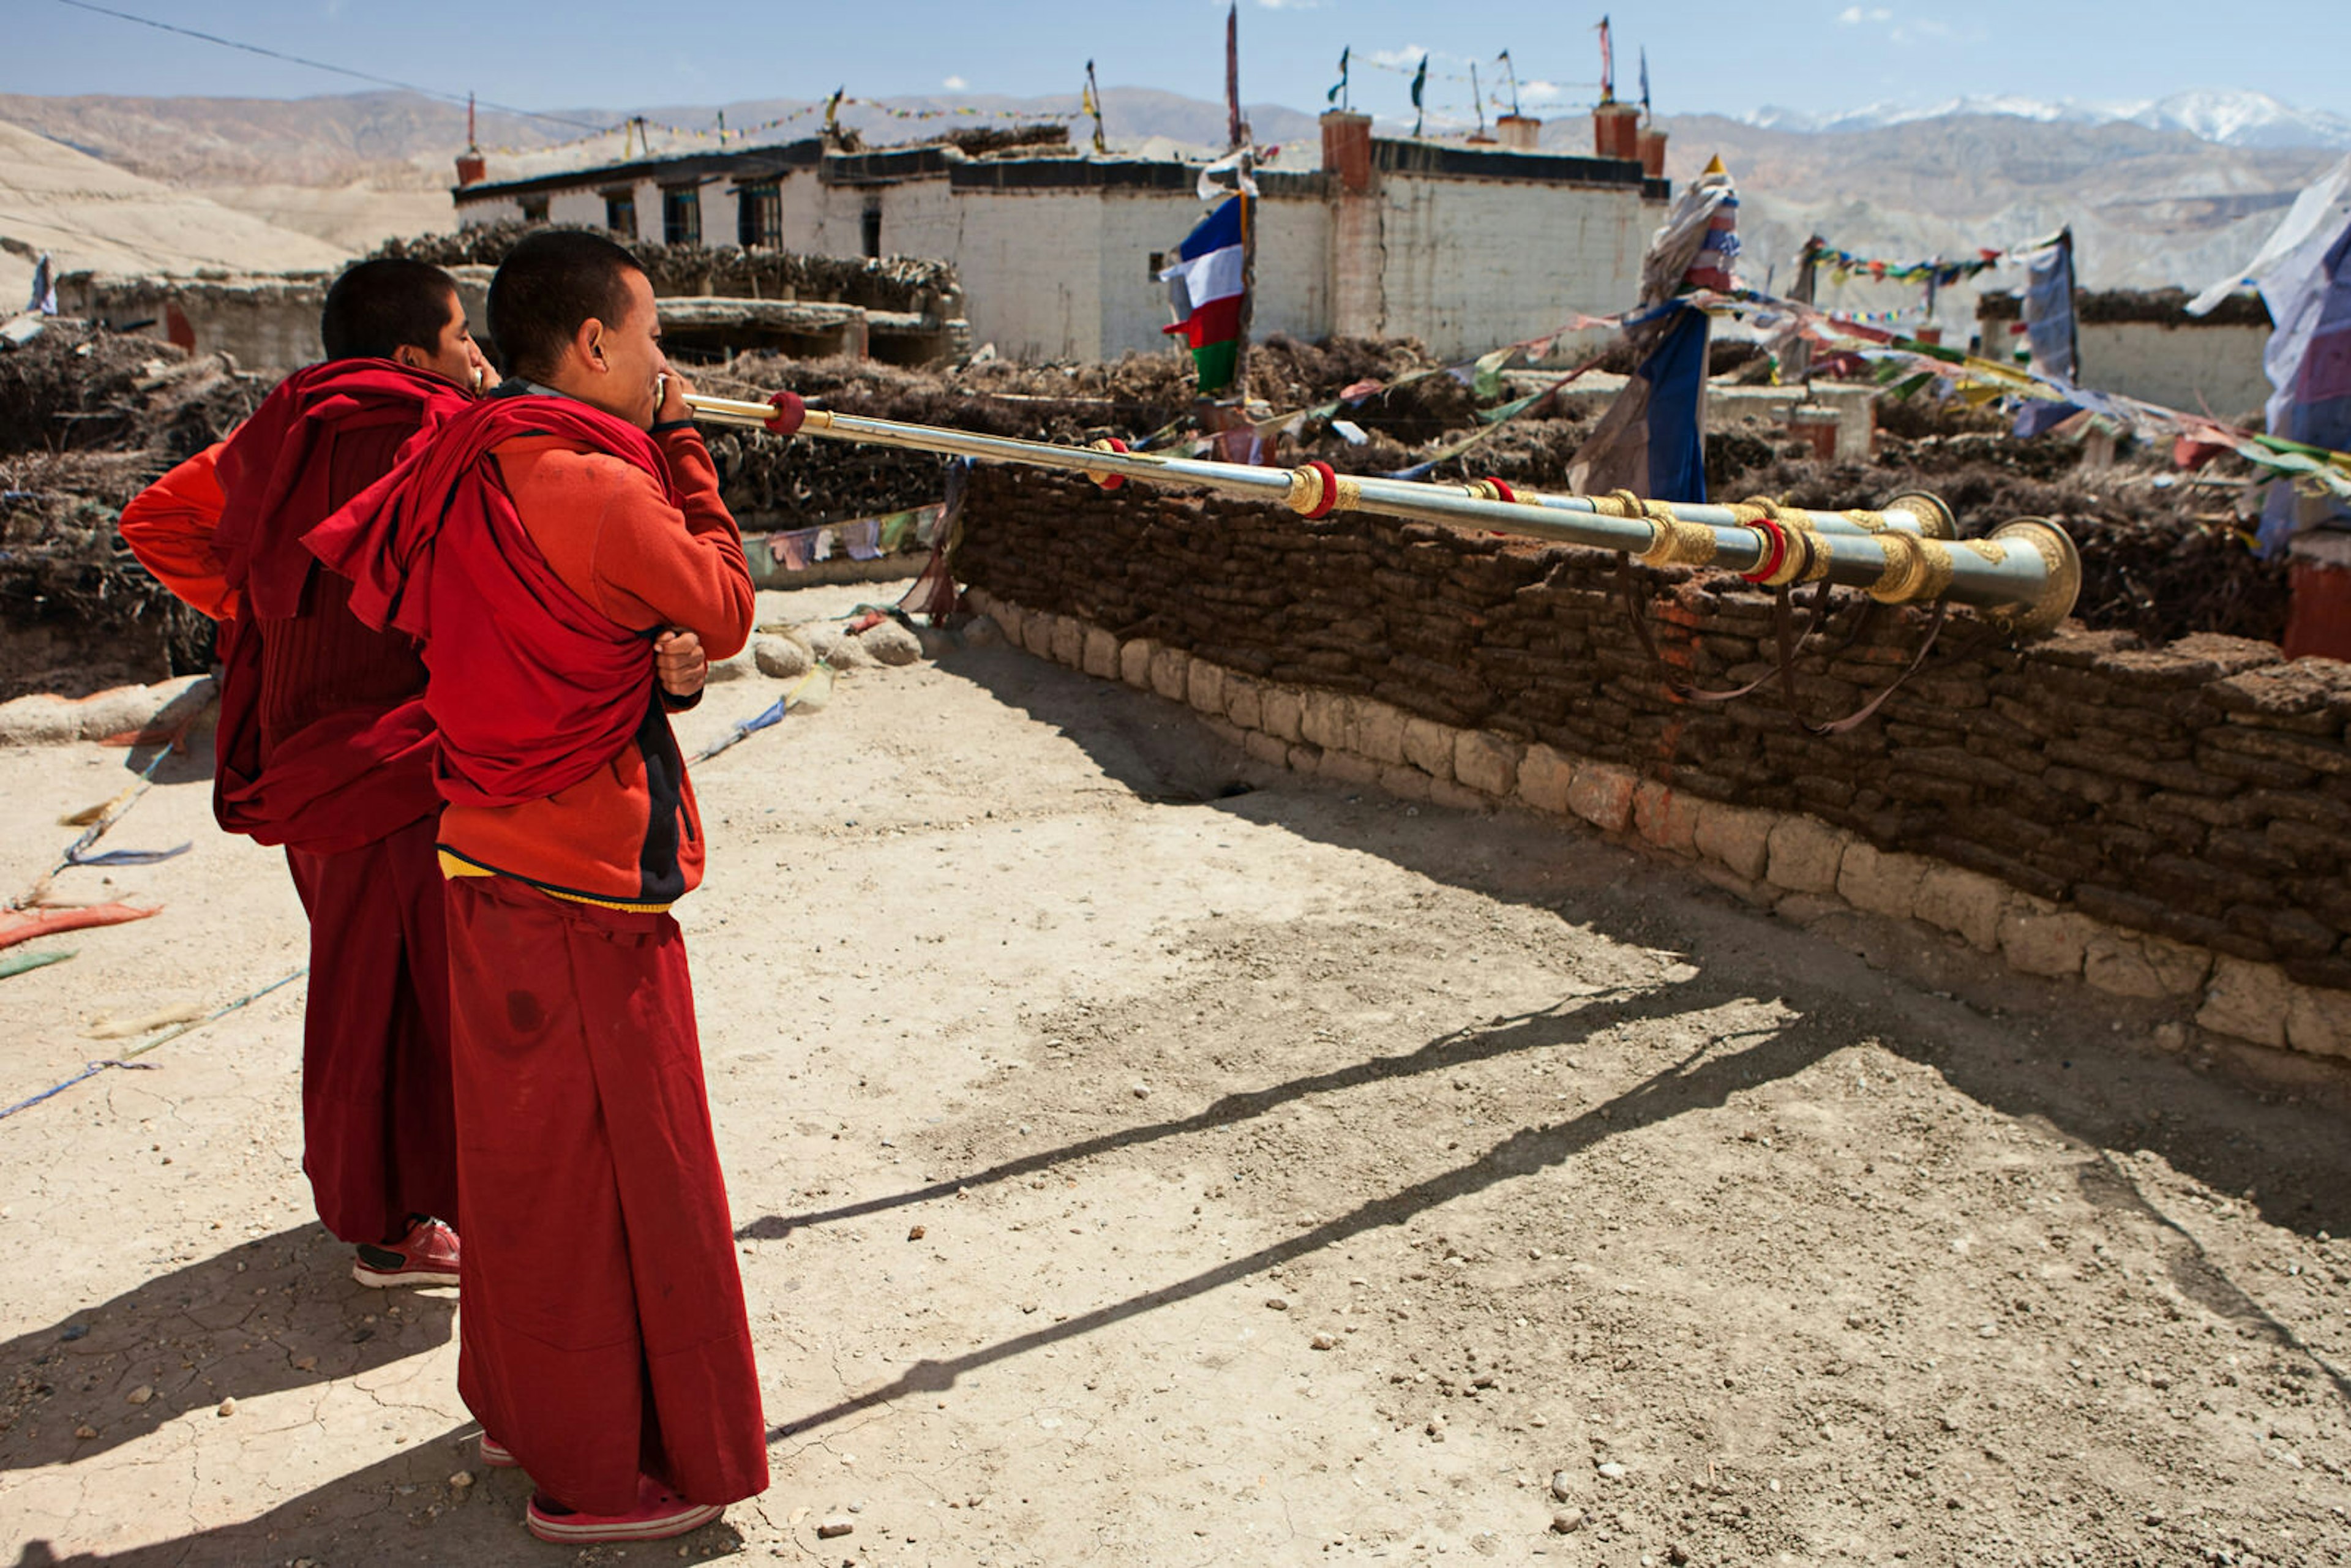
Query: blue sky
x,y
1705,55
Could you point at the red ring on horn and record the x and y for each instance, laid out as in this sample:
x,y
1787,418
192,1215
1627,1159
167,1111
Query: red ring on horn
x,y
1330,499
1771,563
1109,481
790,412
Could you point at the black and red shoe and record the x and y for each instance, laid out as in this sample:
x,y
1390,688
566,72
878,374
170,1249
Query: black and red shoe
x,y
426,1254
660,1513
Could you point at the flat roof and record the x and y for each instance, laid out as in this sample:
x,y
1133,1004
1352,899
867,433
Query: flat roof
x,y
695,167
1112,173
890,165
1450,160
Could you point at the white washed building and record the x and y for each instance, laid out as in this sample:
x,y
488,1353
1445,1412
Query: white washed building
x,y
1466,247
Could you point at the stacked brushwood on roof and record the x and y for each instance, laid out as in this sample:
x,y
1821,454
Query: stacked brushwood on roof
x,y
887,283
88,418
2163,307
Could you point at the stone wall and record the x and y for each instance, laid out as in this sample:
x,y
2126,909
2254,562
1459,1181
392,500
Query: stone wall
x,y
2162,822
262,322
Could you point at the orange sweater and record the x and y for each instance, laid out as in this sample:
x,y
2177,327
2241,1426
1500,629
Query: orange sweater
x,y
628,835
169,527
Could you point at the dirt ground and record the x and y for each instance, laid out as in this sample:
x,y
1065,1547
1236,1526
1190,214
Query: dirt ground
x,y
1134,1168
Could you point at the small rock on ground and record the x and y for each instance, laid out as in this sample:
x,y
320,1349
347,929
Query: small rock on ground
x,y
782,657
837,648
740,667
891,643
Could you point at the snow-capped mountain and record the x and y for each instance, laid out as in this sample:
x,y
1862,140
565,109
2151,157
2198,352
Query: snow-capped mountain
x,y
2229,117
1877,115
2245,120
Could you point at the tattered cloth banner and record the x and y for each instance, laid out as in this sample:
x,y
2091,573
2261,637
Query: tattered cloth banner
x,y
24,924
864,538
1909,365
1652,440
13,964
1843,264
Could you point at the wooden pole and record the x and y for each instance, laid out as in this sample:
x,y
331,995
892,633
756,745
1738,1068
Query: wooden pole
x,y
1248,281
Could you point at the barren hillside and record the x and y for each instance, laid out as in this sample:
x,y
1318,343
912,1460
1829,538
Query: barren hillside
x,y
90,214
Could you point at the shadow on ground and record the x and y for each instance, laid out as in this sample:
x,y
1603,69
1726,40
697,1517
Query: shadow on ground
x,y
280,1312
400,1509
1536,1032
2099,1088
2094,1092
1702,1081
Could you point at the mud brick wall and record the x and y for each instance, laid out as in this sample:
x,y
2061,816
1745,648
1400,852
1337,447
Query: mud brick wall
x,y
2201,791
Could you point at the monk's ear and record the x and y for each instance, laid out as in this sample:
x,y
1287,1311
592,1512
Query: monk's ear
x,y
589,343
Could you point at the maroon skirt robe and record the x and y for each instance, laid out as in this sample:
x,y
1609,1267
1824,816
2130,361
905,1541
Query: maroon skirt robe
x,y
325,748
379,1116
603,1331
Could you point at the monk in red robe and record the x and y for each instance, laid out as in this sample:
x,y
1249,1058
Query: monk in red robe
x,y
540,547
325,748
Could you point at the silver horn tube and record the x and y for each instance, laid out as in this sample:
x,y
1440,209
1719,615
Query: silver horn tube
x,y
2025,576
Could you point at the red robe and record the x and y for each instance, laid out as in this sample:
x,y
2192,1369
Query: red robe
x,y
324,740
604,1334
325,748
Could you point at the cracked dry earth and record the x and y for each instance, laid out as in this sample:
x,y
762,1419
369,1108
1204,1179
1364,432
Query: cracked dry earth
x,y
1133,1172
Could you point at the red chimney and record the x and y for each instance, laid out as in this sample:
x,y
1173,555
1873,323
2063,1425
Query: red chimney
x,y
1617,130
472,168
1347,149
1653,154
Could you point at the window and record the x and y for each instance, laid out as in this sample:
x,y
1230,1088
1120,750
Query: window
x,y
534,209
873,227
620,213
759,215
681,215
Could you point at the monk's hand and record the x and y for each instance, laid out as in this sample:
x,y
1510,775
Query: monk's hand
x,y
680,663
674,387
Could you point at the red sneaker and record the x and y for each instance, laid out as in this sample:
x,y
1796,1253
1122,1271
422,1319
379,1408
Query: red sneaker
x,y
660,1513
498,1455
426,1255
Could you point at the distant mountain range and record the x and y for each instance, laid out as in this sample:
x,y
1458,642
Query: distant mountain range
x,y
2231,119
407,140
2149,207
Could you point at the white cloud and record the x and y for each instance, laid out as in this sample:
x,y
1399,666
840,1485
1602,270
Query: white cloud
x,y
1855,16
1291,4
955,84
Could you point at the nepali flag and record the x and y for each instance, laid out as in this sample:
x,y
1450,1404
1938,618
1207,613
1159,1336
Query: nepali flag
x,y
1205,287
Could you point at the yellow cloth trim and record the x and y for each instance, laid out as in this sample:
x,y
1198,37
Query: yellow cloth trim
x,y
455,865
